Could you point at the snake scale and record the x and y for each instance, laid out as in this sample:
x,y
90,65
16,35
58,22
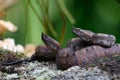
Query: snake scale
x,y
86,48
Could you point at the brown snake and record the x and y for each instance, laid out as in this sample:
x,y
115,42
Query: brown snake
x,y
86,48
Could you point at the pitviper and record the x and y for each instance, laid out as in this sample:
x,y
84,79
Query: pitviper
x,y
84,49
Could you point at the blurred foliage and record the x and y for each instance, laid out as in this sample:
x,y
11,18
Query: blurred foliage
x,y
35,16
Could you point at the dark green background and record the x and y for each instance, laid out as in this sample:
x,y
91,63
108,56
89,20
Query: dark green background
x,y
101,16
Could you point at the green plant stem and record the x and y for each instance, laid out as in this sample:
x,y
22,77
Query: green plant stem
x,y
47,22
26,22
35,12
62,36
65,11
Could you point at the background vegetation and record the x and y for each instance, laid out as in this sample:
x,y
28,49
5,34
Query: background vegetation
x,y
50,16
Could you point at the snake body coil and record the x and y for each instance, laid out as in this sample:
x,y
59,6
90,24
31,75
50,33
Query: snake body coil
x,y
88,47
67,57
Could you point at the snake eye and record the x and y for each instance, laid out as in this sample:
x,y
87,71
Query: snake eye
x,y
54,47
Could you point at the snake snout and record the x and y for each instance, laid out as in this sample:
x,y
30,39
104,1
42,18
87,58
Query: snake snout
x,y
76,30
50,43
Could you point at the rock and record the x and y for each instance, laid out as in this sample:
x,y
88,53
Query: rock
x,y
48,71
77,73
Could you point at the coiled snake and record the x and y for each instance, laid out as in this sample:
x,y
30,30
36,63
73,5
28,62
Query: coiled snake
x,y
86,48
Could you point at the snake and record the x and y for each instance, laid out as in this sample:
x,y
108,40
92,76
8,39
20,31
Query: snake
x,y
86,48
101,39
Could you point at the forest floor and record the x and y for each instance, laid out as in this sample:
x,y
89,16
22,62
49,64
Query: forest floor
x,y
109,69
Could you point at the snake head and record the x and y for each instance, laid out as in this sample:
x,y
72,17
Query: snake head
x,y
50,43
85,35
